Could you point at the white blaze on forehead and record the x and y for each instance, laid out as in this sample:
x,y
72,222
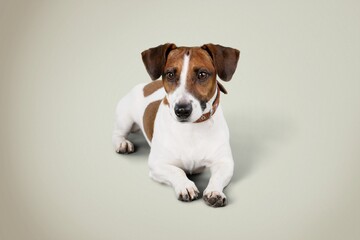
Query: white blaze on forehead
x,y
184,70
180,93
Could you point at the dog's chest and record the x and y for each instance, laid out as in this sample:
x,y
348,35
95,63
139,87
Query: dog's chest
x,y
189,145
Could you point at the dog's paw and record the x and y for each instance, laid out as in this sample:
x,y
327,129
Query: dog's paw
x,y
125,147
188,192
215,199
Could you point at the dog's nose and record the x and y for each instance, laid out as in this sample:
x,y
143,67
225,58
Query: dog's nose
x,y
183,111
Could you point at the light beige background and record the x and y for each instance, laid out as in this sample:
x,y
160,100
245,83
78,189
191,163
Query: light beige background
x,y
293,109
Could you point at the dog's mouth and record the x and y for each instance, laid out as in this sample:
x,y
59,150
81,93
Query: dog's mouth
x,y
182,120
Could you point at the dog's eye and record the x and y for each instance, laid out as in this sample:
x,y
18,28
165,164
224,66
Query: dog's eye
x,y
202,76
170,76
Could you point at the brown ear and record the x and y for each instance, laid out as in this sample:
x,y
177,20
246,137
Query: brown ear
x,y
225,59
155,58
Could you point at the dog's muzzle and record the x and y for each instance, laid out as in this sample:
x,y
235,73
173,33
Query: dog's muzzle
x,y
183,111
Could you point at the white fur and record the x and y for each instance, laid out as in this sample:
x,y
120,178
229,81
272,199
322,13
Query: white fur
x,y
184,72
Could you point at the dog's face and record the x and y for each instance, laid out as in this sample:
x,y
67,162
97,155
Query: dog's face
x,y
189,79
189,76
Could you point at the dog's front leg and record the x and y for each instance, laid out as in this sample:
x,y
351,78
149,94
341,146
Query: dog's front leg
x,y
221,173
176,177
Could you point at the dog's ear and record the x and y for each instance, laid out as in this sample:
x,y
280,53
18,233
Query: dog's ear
x,y
225,59
155,58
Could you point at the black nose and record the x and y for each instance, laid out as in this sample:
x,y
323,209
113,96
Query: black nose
x,y
183,111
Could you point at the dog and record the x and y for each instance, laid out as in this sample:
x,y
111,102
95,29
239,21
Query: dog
x,y
181,118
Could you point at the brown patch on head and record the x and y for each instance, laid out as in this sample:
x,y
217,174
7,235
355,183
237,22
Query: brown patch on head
x,y
149,118
200,62
152,87
173,66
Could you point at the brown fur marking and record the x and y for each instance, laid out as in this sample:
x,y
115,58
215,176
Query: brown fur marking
x,y
175,65
149,118
166,102
199,59
152,87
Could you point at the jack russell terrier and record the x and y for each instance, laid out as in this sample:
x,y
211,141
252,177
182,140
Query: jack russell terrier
x,y
181,118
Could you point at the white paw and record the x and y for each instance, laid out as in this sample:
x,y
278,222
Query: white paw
x,y
214,198
125,147
188,192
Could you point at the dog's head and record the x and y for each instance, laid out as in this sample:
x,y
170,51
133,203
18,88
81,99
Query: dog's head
x,y
189,76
